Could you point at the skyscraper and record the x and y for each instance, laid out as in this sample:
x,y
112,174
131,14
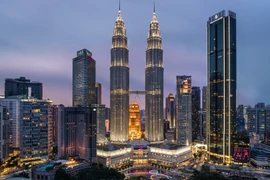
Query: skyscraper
x,y
170,110
23,86
184,110
221,82
196,106
84,79
154,83
119,82
98,93
203,127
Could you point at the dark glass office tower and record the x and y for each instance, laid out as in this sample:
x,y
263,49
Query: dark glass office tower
x,y
221,90
196,107
119,83
84,79
170,110
98,88
23,86
154,84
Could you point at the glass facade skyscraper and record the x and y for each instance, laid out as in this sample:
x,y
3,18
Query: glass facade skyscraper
x,y
184,110
84,79
154,80
221,82
119,83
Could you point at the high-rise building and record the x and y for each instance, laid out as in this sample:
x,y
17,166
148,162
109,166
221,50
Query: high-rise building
x,y
108,113
203,127
170,110
184,110
134,131
119,82
98,88
23,86
84,79
221,85
13,106
154,82
196,107
4,134
100,117
77,130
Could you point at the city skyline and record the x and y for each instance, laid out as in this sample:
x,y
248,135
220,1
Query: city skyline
x,y
53,40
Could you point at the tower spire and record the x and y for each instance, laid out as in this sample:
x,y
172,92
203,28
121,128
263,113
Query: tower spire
x,y
154,12
119,10
154,19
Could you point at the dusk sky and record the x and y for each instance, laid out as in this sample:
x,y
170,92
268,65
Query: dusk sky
x,y
39,39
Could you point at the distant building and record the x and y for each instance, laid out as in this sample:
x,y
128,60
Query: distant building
x,y
84,79
100,117
107,112
4,134
23,87
203,127
184,110
170,110
196,107
107,125
98,88
134,131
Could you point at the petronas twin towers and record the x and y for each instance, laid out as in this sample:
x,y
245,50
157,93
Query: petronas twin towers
x,y
119,83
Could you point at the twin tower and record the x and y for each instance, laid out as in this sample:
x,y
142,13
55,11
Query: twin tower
x,y
119,83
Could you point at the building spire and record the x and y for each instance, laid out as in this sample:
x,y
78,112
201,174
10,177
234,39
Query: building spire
x,y
154,12
154,19
119,17
119,10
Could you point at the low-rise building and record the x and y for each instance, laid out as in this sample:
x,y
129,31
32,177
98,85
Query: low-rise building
x,y
260,156
47,171
140,152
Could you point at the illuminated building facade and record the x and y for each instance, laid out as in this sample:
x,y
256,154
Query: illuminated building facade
x,y
84,79
184,110
119,83
196,107
221,85
154,81
170,110
35,126
134,131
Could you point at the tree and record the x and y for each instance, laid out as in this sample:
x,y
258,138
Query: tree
x,y
209,176
61,174
98,172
